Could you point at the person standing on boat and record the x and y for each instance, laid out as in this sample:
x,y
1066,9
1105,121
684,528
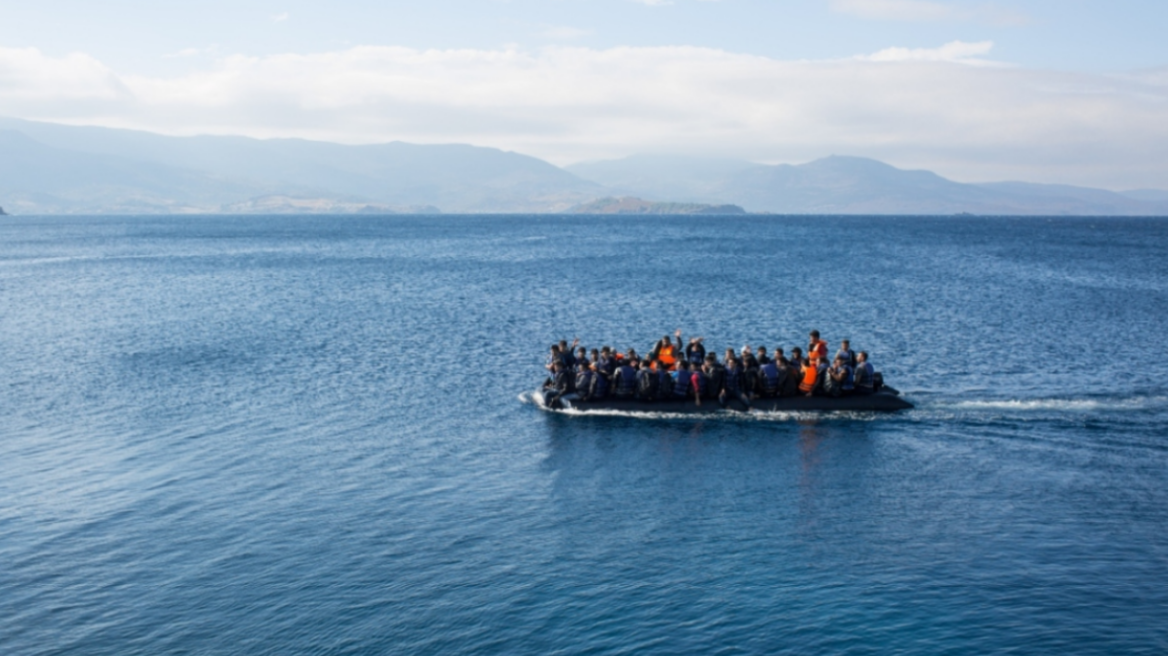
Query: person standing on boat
x,y
695,353
817,348
666,353
847,353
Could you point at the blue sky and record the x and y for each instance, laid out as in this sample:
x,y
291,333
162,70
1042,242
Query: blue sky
x,y
1051,91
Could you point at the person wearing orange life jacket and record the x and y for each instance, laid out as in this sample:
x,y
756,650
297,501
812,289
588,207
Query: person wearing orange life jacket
x,y
666,353
813,373
817,348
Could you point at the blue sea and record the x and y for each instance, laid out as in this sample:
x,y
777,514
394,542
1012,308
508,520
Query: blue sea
x,y
312,435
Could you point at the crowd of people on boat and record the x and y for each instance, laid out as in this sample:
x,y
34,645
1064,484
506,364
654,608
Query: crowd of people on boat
x,y
673,371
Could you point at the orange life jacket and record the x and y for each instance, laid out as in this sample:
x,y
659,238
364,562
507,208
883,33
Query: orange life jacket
x,y
810,374
665,355
817,350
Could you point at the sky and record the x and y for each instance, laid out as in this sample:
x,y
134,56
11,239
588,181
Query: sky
x,y
1071,92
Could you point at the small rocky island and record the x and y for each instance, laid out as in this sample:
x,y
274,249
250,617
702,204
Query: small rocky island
x,y
2,212
632,205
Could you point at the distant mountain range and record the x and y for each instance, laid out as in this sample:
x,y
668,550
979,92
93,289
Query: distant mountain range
x,y
853,185
48,168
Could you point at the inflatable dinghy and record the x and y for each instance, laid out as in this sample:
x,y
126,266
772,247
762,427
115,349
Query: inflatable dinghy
x,y
885,400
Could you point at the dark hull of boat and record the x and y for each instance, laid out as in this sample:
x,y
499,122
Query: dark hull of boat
x,y
886,400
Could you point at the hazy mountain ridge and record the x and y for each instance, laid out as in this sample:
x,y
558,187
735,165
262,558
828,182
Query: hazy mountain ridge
x,y
72,167
47,168
855,185
632,205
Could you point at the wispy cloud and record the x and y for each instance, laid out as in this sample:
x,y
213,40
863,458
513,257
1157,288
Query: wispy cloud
x,y
957,52
930,11
924,108
280,17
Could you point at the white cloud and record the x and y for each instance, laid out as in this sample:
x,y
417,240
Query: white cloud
x,y
929,11
912,108
957,52
280,17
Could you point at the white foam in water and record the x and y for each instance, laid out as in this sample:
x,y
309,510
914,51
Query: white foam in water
x,y
1062,405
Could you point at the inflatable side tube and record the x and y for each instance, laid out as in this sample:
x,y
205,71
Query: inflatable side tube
x,y
882,401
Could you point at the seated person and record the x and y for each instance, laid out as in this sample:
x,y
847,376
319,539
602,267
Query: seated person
x,y
698,384
584,378
624,381
732,384
770,380
559,385
715,375
865,375
684,381
600,383
812,378
838,381
647,382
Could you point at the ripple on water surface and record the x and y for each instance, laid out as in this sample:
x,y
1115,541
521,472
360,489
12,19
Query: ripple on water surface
x,y
311,435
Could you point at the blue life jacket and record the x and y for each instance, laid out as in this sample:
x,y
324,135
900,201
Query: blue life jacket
x,y
863,376
696,356
583,381
733,380
625,381
664,384
681,385
769,378
601,384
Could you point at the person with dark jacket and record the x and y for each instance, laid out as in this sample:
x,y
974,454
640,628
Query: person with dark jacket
x,y
762,356
715,375
647,381
865,375
664,383
600,383
684,381
846,352
559,385
584,382
695,353
770,380
624,381
732,384
838,379
749,373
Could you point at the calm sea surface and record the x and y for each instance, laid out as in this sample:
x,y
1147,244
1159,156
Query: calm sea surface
x,y
308,435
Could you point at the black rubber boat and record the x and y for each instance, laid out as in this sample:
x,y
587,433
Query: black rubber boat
x,y
886,400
